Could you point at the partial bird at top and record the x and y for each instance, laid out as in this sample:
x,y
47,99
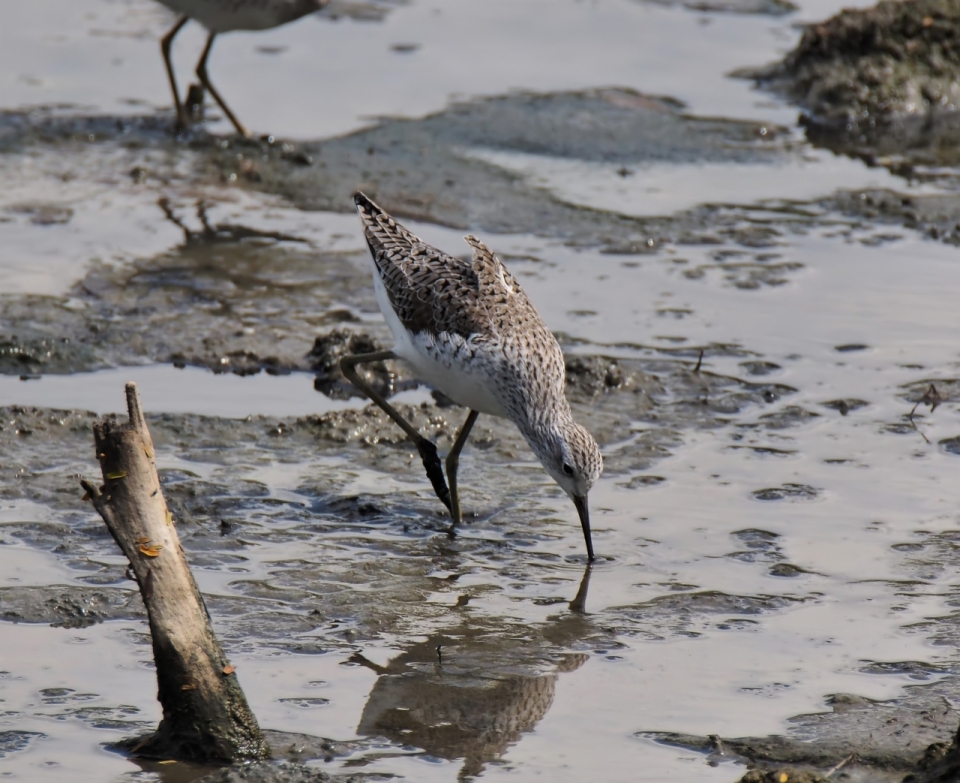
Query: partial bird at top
x,y
222,16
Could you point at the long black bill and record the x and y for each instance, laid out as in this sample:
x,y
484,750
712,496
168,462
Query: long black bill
x,y
584,512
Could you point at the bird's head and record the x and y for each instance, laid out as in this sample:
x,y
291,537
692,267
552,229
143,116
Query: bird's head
x,y
571,456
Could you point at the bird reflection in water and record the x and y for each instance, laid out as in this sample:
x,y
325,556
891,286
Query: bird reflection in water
x,y
466,695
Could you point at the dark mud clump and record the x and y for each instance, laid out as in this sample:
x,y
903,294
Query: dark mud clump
x,y
592,375
265,772
691,614
13,741
845,406
769,7
324,359
759,367
951,445
787,492
940,764
67,606
864,737
923,391
27,351
882,79
935,215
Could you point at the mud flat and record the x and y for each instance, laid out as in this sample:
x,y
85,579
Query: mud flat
x,y
878,82
790,425
751,327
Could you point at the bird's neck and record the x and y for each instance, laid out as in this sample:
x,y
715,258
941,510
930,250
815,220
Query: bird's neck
x,y
545,425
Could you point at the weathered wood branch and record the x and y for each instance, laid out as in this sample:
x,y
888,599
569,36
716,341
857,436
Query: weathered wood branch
x,y
205,714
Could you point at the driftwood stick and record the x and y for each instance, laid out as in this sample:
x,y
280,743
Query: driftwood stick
x,y
205,714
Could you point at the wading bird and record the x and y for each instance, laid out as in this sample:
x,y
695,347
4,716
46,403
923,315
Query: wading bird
x,y
222,16
469,330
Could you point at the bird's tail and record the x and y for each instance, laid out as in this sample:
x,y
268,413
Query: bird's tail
x,y
366,204
382,232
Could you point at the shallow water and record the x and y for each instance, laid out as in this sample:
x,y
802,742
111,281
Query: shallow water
x,y
773,529
167,389
461,49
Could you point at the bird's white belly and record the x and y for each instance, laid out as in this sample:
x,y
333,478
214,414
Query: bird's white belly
x,y
465,384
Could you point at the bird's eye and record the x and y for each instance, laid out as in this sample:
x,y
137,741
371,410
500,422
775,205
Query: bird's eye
x,y
567,469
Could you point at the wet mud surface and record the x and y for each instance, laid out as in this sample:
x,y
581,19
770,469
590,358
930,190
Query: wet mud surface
x,y
235,298
311,603
243,526
878,81
776,525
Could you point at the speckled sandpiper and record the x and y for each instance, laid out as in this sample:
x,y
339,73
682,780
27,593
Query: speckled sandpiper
x,y
222,16
469,331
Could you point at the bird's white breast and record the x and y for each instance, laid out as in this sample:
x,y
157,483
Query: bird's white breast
x,y
467,382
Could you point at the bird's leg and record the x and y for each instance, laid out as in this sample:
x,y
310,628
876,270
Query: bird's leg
x,y
165,43
205,81
428,451
453,462
193,102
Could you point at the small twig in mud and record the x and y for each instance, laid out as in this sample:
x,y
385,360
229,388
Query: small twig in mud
x,y
841,765
932,398
205,714
699,362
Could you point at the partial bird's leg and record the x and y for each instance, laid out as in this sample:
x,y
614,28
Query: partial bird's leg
x,y
205,81
453,462
165,43
428,451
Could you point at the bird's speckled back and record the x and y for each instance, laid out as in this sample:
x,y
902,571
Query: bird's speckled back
x,y
477,307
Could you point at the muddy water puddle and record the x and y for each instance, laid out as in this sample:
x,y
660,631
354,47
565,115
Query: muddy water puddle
x,y
746,333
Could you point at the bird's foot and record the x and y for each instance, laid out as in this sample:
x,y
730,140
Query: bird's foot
x,y
193,105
